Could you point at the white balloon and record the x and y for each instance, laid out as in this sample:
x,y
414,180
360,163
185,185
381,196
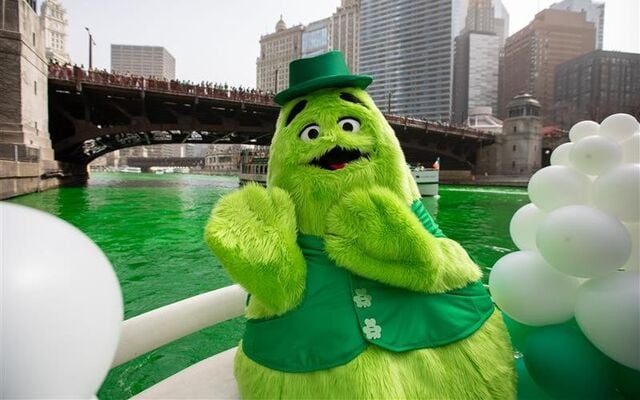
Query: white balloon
x,y
618,192
608,313
524,225
595,155
583,129
557,186
631,149
560,155
583,241
633,263
61,308
530,291
619,127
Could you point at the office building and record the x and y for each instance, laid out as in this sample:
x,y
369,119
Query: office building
x,y
531,55
147,61
56,25
277,50
596,85
477,51
316,38
345,30
407,46
594,13
475,73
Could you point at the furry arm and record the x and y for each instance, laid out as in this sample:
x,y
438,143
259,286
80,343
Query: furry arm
x,y
374,234
252,231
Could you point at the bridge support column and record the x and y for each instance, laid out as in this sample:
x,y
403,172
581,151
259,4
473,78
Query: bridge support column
x,y
26,155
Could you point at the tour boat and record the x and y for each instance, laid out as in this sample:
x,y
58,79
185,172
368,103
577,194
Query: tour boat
x,y
427,180
209,378
135,170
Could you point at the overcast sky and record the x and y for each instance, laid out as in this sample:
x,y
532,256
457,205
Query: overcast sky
x,y
218,40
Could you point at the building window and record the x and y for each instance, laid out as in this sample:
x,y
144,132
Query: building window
x,y
513,164
33,38
514,129
514,147
35,87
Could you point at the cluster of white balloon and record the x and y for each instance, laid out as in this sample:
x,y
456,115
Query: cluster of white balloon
x,y
578,241
61,308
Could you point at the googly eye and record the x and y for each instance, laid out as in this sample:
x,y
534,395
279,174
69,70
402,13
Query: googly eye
x,y
310,132
350,125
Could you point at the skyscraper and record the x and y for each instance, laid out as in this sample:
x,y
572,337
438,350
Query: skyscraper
x,y
345,29
594,11
147,61
501,21
277,50
55,23
477,52
531,55
407,46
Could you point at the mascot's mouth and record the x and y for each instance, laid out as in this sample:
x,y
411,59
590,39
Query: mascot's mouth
x,y
338,158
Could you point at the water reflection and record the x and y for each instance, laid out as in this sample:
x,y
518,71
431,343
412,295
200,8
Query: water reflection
x,y
124,180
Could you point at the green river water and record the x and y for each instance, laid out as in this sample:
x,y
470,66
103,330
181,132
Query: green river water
x,y
151,228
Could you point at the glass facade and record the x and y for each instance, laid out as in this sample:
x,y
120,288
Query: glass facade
x,y
406,45
315,38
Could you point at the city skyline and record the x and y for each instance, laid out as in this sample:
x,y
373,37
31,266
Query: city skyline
x,y
193,28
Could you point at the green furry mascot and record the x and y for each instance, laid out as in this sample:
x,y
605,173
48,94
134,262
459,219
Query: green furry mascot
x,y
355,292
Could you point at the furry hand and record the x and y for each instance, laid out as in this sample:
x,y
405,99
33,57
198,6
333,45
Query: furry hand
x,y
253,233
373,233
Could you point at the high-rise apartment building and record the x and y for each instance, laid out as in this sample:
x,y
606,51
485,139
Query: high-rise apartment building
x,y
531,55
594,11
596,85
277,50
407,46
147,61
55,24
477,53
345,30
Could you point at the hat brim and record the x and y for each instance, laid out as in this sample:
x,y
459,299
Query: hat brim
x,y
336,81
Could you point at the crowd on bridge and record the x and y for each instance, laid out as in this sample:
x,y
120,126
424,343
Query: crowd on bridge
x,y
203,89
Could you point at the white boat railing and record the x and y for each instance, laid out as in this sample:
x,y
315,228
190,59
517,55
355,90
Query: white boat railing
x,y
158,327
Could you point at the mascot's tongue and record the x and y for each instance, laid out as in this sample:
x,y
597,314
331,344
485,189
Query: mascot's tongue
x,y
339,165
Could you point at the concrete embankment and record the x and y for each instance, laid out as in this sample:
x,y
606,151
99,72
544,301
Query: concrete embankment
x,y
468,178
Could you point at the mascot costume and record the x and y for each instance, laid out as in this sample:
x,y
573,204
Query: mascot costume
x,y
354,290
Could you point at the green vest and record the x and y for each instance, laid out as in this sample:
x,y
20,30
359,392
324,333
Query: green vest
x,y
342,313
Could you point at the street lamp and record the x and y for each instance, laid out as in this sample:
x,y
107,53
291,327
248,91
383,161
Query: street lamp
x,y
91,44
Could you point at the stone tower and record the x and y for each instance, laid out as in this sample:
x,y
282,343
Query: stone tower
x,y
521,146
517,149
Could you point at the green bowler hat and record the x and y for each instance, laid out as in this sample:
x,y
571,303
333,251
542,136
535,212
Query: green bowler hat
x,y
324,71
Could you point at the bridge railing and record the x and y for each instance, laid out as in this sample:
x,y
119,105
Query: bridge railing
x,y
223,92
459,130
19,152
101,77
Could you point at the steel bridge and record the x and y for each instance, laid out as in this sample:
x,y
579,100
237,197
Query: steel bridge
x,y
93,113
